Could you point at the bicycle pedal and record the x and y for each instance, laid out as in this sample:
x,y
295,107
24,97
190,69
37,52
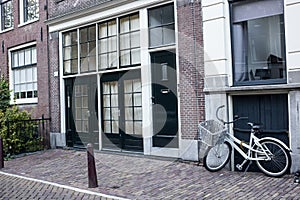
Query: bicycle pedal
x,y
239,167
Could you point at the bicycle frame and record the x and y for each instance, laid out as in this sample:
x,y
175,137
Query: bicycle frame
x,y
254,141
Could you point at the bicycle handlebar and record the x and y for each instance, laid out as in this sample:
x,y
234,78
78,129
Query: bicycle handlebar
x,y
229,122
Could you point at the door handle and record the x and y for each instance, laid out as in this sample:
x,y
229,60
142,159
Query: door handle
x,y
165,91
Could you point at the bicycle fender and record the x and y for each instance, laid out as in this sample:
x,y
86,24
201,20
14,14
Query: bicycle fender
x,y
276,140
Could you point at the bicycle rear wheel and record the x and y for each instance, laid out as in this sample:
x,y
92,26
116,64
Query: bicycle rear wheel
x,y
217,157
280,159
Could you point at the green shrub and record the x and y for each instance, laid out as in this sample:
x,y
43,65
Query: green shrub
x,y
21,137
4,94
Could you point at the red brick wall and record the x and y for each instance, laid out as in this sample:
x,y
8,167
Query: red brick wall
x,y
191,67
33,32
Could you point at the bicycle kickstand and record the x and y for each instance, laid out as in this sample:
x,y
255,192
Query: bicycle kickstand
x,y
250,162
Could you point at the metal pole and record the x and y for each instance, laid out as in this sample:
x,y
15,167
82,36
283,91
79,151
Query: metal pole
x,y
92,174
1,154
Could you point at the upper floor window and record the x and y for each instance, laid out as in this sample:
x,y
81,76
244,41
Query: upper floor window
x,y
258,42
7,17
24,74
117,43
161,26
29,10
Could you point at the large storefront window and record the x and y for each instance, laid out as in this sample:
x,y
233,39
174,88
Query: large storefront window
x,y
258,42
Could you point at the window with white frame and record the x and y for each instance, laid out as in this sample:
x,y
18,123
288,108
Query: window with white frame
x,y
258,42
118,42
7,17
24,73
29,10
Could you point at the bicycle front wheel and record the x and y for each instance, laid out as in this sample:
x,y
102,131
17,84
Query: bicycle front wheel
x,y
280,161
217,157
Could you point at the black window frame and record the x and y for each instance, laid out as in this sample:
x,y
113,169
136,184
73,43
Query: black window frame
x,y
268,81
5,15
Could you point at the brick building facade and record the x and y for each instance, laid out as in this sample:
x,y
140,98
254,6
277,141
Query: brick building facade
x,y
142,90
24,54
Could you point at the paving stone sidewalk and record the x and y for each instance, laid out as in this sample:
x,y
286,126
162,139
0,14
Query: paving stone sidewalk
x,y
140,177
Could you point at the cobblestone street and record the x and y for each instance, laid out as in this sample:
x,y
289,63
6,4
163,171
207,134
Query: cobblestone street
x,y
135,177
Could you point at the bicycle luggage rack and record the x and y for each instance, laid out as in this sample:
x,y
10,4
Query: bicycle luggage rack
x,y
210,132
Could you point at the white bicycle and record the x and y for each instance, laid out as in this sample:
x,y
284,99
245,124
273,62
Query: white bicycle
x,y
271,155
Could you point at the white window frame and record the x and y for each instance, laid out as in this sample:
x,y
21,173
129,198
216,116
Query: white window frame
x,y
21,16
33,100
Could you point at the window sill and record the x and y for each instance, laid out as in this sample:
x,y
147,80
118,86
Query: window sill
x,y
6,30
24,101
28,22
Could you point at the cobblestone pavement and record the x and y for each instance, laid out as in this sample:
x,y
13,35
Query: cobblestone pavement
x,y
140,177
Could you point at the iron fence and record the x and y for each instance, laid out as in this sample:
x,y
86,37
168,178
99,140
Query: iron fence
x,y
23,136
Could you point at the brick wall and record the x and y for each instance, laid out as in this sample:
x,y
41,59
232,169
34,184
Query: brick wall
x,y
191,67
33,32
62,7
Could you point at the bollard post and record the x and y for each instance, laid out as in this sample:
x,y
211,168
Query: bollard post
x,y
1,154
92,174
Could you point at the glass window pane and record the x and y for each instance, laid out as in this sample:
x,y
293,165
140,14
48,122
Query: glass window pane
x,y
138,128
92,33
112,44
112,28
156,35
74,38
21,58
125,41
34,74
103,46
169,34
113,60
135,56
128,86
67,53
129,127
27,56
137,99
115,127
83,50
103,61
102,30
135,39
23,76
78,126
16,76
106,88
74,65
114,87
137,85
85,102
134,22
155,17
92,63
114,100
138,113
106,114
34,56
67,39
78,102
92,48
124,25
15,59
125,58
74,50
106,100
168,14
29,74
67,67
84,65
107,126
128,100
83,35
128,114
115,113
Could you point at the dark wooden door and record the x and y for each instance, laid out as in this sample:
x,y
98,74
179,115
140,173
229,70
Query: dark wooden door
x,y
270,111
82,111
164,99
122,111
